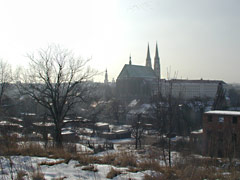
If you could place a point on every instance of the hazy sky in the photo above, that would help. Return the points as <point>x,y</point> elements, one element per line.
<point>197,39</point>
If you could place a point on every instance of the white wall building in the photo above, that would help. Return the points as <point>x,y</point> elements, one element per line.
<point>187,89</point>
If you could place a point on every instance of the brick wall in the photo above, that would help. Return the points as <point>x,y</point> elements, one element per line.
<point>221,134</point>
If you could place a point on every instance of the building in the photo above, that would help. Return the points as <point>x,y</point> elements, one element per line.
<point>142,82</point>
<point>221,133</point>
<point>138,82</point>
<point>106,78</point>
<point>189,89</point>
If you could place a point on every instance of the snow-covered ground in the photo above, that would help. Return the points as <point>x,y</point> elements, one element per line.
<point>71,170</point>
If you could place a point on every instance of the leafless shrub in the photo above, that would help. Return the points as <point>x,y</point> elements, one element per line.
<point>90,168</point>
<point>149,164</point>
<point>113,173</point>
<point>86,160</point>
<point>122,159</point>
<point>133,169</point>
<point>52,163</point>
<point>38,175</point>
<point>21,175</point>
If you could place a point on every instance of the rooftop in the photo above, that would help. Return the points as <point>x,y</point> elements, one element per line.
<point>196,81</point>
<point>133,71</point>
<point>231,113</point>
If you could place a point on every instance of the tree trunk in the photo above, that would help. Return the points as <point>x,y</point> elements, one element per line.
<point>169,152</point>
<point>58,137</point>
<point>136,142</point>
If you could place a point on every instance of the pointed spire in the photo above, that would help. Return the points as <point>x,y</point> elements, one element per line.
<point>156,53</point>
<point>130,60</point>
<point>148,60</point>
<point>106,77</point>
<point>157,69</point>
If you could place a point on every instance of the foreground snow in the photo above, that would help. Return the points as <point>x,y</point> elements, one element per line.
<point>71,170</point>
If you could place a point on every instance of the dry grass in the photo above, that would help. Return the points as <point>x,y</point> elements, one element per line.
<point>38,175</point>
<point>52,163</point>
<point>32,149</point>
<point>86,159</point>
<point>59,178</point>
<point>90,168</point>
<point>122,159</point>
<point>108,158</point>
<point>21,175</point>
<point>153,177</point>
<point>150,164</point>
<point>190,169</point>
<point>113,173</point>
<point>186,167</point>
<point>133,169</point>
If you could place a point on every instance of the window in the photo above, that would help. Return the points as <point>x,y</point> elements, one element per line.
<point>220,136</point>
<point>209,133</point>
<point>234,120</point>
<point>210,118</point>
<point>234,137</point>
<point>220,119</point>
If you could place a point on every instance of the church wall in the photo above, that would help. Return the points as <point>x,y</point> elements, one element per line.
<point>134,88</point>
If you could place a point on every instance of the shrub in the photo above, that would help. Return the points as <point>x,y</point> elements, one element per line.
<point>90,168</point>
<point>133,170</point>
<point>86,159</point>
<point>126,159</point>
<point>149,164</point>
<point>122,159</point>
<point>37,175</point>
<point>109,158</point>
<point>153,177</point>
<point>52,163</point>
<point>113,173</point>
<point>20,175</point>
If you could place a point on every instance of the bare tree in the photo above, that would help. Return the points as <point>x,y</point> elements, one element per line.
<point>5,77</point>
<point>166,111</point>
<point>220,102</point>
<point>138,128</point>
<point>57,80</point>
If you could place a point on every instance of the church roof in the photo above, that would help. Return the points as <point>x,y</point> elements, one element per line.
<point>133,71</point>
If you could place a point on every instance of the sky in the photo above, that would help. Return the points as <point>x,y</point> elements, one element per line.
<point>196,39</point>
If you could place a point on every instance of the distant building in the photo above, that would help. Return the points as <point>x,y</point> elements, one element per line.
<point>138,82</point>
<point>188,89</point>
<point>221,133</point>
<point>106,78</point>
<point>141,82</point>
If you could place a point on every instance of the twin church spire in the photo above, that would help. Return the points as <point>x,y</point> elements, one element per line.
<point>148,60</point>
<point>156,61</point>
<point>156,65</point>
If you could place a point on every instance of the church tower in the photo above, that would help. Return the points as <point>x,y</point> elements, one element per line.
<point>148,60</point>
<point>157,63</point>
<point>130,60</point>
<point>106,78</point>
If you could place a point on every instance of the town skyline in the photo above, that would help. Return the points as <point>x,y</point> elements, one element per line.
<point>195,39</point>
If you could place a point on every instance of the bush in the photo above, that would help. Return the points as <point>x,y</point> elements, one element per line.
<point>38,175</point>
<point>52,163</point>
<point>113,173</point>
<point>90,168</point>
<point>20,175</point>
<point>150,164</point>
<point>153,177</point>
<point>122,159</point>
<point>133,170</point>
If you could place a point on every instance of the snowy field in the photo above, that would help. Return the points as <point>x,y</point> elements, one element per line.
<point>69,171</point>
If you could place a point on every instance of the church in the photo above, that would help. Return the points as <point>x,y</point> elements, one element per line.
<point>139,82</point>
